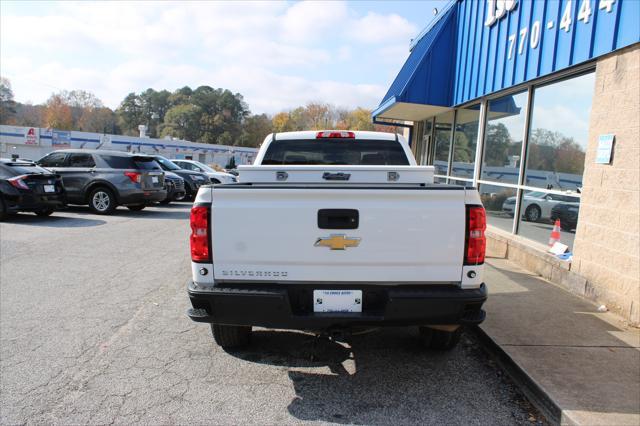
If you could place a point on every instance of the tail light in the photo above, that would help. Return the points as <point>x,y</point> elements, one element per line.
<point>18,182</point>
<point>335,134</point>
<point>476,241</point>
<point>200,249</point>
<point>135,177</point>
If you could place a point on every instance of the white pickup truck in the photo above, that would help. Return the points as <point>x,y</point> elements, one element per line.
<point>332,230</point>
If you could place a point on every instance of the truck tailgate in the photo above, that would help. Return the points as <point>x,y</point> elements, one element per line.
<point>405,233</point>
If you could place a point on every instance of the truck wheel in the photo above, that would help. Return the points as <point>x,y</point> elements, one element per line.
<point>231,336</point>
<point>440,340</point>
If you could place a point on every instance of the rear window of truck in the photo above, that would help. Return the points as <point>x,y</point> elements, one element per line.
<point>336,151</point>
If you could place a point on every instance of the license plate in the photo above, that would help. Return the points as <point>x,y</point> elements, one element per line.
<point>337,300</point>
<point>154,179</point>
<point>49,188</point>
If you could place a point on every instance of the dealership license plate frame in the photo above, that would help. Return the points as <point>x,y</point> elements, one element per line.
<point>337,301</point>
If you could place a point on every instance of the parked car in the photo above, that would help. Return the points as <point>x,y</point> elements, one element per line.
<point>107,179</point>
<point>536,205</point>
<point>214,176</point>
<point>24,186</point>
<point>568,215</point>
<point>192,179</point>
<point>175,187</point>
<point>332,230</point>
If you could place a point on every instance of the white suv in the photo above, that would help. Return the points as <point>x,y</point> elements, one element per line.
<point>215,176</point>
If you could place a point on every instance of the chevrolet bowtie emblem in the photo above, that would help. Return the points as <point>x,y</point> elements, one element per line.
<point>337,242</point>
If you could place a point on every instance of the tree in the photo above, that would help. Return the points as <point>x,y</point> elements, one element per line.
<point>254,130</point>
<point>98,120</point>
<point>359,119</point>
<point>7,104</point>
<point>182,121</point>
<point>553,151</point>
<point>232,163</point>
<point>29,115</point>
<point>130,114</point>
<point>281,122</point>
<point>57,113</point>
<point>497,145</point>
<point>81,99</point>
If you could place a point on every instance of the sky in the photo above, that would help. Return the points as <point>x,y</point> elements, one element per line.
<point>278,55</point>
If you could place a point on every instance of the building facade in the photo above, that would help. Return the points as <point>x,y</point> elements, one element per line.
<point>33,143</point>
<point>537,104</point>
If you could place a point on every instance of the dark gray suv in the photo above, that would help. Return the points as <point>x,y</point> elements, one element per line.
<point>106,179</point>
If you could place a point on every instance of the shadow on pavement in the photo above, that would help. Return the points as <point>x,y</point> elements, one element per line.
<point>52,221</point>
<point>150,212</point>
<point>381,377</point>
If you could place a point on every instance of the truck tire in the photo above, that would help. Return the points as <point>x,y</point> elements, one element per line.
<point>231,336</point>
<point>440,340</point>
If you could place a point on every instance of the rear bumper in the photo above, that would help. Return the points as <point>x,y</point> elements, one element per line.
<point>142,197</point>
<point>34,202</point>
<point>291,306</point>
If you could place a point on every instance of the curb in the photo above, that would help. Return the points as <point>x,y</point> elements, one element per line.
<point>529,387</point>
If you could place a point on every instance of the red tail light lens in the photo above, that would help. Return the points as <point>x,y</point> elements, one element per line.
<point>200,250</point>
<point>135,177</point>
<point>476,241</point>
<point>18,182</point>
<point>335,134</point>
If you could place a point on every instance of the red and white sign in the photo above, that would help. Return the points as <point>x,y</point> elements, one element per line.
<point>31,136</point>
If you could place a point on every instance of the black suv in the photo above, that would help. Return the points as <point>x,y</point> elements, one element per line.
<point>26,187</point>
<point>192,179</point>
<point>106,179</point>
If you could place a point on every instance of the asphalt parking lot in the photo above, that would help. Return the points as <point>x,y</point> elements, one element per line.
<point>93,330</point>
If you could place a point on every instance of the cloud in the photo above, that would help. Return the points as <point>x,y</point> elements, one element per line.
<point>376,28</point>
<point>278,55</point>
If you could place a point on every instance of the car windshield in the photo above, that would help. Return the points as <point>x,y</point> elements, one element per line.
<point>337,151</point>
<point>166,164</point>
<point>205,167</point>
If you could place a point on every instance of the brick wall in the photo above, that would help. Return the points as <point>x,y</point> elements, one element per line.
<point>607,244</point>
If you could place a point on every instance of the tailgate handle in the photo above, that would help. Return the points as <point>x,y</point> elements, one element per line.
<point>336,176</point>
<point>338,219</point>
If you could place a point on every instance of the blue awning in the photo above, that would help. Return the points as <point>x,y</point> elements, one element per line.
<point>424,85</point>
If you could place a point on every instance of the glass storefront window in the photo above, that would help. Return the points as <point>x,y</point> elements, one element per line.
<point>500,203</point>
<point>426,141</point>
<point>465,183</point>
<point>556,149</point>
<point>442,134</point>
<point>539,211</point>
<point>559,133</point>
<point>465,140</point>
<point>503,138</point>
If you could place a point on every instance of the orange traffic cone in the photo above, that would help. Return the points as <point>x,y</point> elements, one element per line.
<point>555,233</point>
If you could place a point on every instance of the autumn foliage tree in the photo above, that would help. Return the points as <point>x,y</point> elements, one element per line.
<point>57,113</point>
